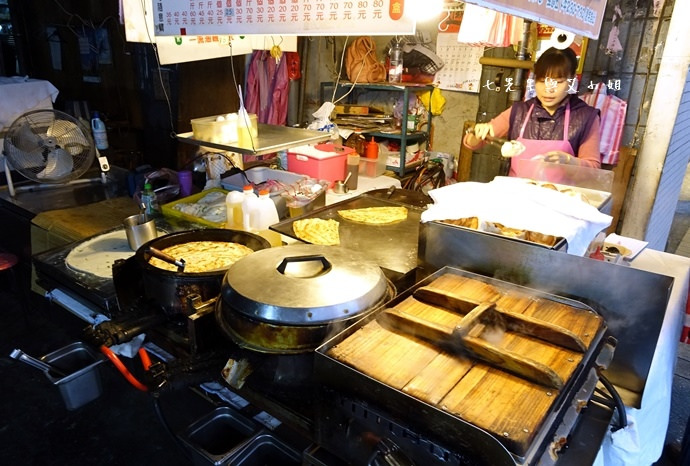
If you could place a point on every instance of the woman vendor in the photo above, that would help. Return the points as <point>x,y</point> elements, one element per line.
<point>555,126</point>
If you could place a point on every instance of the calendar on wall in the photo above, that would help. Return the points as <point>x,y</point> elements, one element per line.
<point>461,70</point>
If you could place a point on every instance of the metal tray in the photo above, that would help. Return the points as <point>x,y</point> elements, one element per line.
<point>392,247</point>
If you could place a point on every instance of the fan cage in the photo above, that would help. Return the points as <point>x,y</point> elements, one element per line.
<point>33,135</point>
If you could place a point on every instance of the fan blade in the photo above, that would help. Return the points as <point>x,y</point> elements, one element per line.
<point>24,159</point>
<point>67,133</point>
<point>25,139</point>
<point>58,165</point>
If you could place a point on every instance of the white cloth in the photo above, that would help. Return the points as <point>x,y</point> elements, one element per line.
<point>20,94</point>
<point>642,442</point>
<point>517,204</point>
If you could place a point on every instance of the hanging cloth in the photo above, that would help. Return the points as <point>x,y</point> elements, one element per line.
<point>613,110</point>
<point>488,28</point>
<point>267,88</point>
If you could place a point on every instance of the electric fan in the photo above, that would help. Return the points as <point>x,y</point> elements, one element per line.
<point>49,147</point>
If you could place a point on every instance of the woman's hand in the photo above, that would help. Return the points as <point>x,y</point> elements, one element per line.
<point>558,156</point>
<point>474,138</point>
<point>482,130</point>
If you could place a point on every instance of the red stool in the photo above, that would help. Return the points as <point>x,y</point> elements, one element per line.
<point>8,261</point>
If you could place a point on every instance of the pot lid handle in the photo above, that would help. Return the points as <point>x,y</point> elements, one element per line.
<point>310,266</point>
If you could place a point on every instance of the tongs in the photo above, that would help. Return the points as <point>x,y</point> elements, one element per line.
<point>180,264</point>
<point>457,339</point>
<point>509,148</point>
<point>20,355</point>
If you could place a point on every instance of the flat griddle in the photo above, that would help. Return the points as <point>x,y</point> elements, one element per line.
<point>53,272</point>
<point>393,247</point>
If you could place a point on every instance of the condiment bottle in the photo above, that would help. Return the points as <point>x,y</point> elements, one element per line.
<point>233,209</point>
<point>372,149</point>
<point>148,198</point>
<point>395,66</point>
<point>249,200</point>
<point>100,135</point>
<point>353,171</point>
<point>266,215</point>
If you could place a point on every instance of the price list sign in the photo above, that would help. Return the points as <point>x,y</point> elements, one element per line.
<point>294,17</point>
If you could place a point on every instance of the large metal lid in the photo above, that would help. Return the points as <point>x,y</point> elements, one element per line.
<point>303,284</point>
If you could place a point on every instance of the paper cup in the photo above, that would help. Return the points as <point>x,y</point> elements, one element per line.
<point>139,230</point>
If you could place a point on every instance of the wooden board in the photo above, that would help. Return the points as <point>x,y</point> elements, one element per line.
<point>464,170</point>
<point>77,223</point>
<point>511,408</point>
<point>621,178</point>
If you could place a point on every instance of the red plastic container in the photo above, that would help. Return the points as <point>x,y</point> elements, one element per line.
<point>322,161</point>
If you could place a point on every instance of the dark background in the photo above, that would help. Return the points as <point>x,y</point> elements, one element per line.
<point>142,104</point>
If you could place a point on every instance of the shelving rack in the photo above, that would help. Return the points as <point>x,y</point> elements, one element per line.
<point>404,136</point>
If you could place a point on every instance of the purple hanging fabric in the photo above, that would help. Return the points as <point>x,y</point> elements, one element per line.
<point>267,88</point>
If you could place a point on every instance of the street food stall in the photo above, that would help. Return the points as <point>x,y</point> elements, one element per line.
<point>470,324</point>
<point>322,300</point>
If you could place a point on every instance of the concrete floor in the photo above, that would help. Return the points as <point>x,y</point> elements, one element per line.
<point>679,243</point>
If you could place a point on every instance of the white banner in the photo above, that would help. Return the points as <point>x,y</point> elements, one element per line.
<point>582,17</point>
<point>297,17</point>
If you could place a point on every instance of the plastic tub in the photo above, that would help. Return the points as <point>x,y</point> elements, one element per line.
<point>372,168</point>
<point>82,383</point>
<point>215,437</point>
<point>322,161</point>
<point>221,132</point>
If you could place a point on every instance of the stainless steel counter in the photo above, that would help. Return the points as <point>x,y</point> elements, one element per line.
<point>33,198</point>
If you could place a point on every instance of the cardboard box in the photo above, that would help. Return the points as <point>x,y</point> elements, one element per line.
<point>351,109</point>
<point>322,161</point>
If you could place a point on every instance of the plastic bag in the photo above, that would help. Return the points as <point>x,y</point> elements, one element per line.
<point>165,184</point>
<point>322,120</point>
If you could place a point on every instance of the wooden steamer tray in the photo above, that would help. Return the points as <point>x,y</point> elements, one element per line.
<point>448,389</point>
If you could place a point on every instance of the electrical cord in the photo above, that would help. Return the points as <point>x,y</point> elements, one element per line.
<point>166,425</point>
<point>429,175</point>
<point>620,406</point>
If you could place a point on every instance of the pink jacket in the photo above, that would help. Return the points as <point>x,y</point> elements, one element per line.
<point>267,88</point>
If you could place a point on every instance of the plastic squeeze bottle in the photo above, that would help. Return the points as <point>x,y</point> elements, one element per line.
<point>371,149</point>
<point>148,198</point>
<point>100,136</point>
<point>267,215</point>
<point>233,209</point>
<point>249,201</point>
<point>395,67</point>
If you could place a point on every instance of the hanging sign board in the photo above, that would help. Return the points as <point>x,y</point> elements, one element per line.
<point>583,17</point>
<point>296,17</point>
